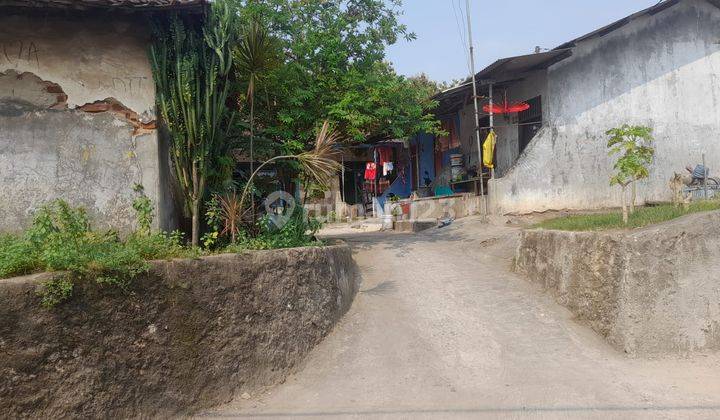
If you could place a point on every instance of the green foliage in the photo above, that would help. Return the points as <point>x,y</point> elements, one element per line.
<point>61,239</point>
<point>642,217</point>
<point>298,231</point>
<point>633,145</point>
<point>214,222</point>
<point>377,103</point>
<point>56,291</point>
<point>334,70</point>
<point>143,210</point>
<point>160,246</point>
<point>17,256</point>
<point>256,55</point>
<point>315,191</point>
<point>58,220</point>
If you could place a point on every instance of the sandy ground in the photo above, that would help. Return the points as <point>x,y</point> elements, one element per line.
<point>443,329</point>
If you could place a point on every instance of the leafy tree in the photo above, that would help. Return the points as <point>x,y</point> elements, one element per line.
<point>633,144</point>
<point>379,104</point>
<point>333,70</point>
<point>191,67</point>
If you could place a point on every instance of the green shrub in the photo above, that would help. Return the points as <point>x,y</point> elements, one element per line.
<point>61,239</point>
<point>18,256</point>
<point>56,291</point>
<point>298,231</point>
<point>143,209</point>
<point>56,220</point>
<point>213,220</point>
<point>160,246</point>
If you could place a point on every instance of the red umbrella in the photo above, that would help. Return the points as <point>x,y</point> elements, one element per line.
<point>507,108</point>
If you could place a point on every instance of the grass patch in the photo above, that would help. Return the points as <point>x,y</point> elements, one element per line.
<point>643,216</point>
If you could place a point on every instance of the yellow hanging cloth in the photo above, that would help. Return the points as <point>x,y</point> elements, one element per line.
<point>489,150</point>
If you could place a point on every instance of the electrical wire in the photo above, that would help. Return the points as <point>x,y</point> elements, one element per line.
<point>466,41</point>
<point>462,33</point>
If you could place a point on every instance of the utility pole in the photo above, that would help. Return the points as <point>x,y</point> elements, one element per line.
<point>477,110</point>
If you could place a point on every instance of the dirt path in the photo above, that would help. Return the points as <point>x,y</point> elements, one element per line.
<point>443,329</point>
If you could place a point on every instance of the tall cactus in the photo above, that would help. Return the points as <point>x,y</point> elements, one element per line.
<point>191,67</point>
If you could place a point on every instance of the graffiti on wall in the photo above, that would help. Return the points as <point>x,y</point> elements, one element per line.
<point>14,53</point>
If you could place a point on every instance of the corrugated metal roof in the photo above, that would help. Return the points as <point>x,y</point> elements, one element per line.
<point>108,4</point>
<point>512,67</point>
<point>653,10</point>
<point>504,70</point>
<point>507,69</point>
<point>650,11</point>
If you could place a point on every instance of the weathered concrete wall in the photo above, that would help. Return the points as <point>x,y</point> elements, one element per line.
<point>648,292</point>
<point>659,71</point>
<point>457,207</point>
<point>192,334</point>
<point>77,117</point>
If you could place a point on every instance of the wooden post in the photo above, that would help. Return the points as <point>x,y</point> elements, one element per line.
<point>342,190</point>
<point>477,111</point>
<point>376,202</point>
<point>492,128</point>
<point>705,177</point>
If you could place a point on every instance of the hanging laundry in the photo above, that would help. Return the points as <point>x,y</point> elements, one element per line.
<point>370,171</point>
<point>489,150</point>
<point>387,168</point>
<point>384,155</point>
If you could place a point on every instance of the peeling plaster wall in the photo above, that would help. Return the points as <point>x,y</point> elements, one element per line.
<point>77,118</point>
<point>660,71</point>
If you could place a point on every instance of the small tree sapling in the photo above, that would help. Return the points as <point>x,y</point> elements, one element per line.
<point>633,146</point>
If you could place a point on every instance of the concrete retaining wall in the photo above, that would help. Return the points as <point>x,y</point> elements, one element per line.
<point>457,206</point>
<point>650,291</point>
<point>190,335</point>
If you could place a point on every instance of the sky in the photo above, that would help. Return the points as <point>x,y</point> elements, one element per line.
<point>501,28</point>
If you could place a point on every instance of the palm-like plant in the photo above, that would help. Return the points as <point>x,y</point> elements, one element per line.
<point>318,164</point>
<point>230,214</point>
<point>255,56</point>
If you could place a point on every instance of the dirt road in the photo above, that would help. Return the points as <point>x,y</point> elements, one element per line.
<point>443,329</point>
